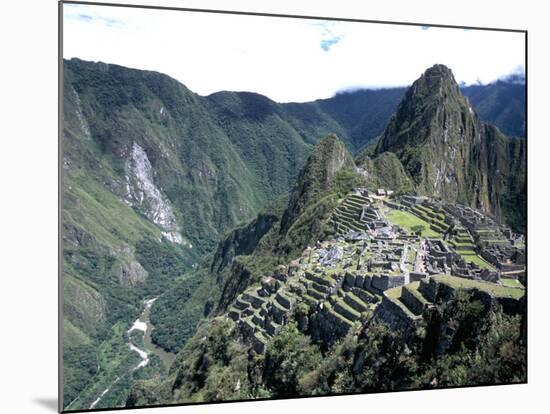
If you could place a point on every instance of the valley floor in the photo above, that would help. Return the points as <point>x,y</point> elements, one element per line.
<point>123,358</point>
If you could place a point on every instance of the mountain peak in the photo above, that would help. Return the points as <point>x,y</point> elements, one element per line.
<point>443,145</point>
<point>438,70</point>
<point>425,109</point>
<point>437,80</point>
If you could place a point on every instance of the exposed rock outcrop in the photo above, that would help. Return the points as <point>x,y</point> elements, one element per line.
<point>142,192</point>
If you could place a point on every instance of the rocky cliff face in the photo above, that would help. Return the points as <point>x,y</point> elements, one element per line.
<point>242,241</point>
<point>448,151</point>
<point>142,192</point>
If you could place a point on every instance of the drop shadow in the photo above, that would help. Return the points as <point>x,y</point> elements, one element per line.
<point>49,403</point>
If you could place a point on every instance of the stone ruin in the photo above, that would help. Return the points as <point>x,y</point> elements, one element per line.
<point>509,260</point>
<point>331,256</point>
<point>339,285</point>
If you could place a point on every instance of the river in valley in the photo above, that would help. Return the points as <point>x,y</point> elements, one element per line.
<point>144,325</point>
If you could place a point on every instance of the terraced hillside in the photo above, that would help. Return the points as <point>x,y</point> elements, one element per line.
<point>335,294</point>
<point>369,282</point>
<point>464,245</point>
<point>409,302</point>
<point>364,271</point>
<point>161,190</point>
<point>355,214</point>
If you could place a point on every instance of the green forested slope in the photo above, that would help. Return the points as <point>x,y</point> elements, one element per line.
<point>462,340</point>
<point>451,154</point>
<point>167,193</point>
<point>501,103</point>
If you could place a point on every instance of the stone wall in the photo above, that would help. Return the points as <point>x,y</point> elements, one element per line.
<point>413,303</point>
<point>433,291</point>
<point>511,267</point>
<point>385,282</point>
<point>389,306</point>
<point>429,288</point>
<point>416,276</point>
<point>326,328</point>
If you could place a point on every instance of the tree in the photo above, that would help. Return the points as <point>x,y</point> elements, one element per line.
<point>418,229</point>
<point>290,356</point>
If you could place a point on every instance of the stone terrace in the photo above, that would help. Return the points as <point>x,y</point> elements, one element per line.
<point>425,209</point>
<point>340,280</point>
<point>405,305</point>
<point>371,266</point>
<point>261,311</point>
<point>356,214</point>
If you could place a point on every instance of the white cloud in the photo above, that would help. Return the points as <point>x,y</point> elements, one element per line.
<point>283,58</point>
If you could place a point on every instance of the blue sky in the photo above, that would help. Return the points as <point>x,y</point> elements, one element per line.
<point>285,59</point>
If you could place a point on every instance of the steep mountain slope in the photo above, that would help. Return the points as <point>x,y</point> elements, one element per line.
<point>385,171</point>
<point>501,103</point>
<point>330,156</point>
<point>117,227</point>
<point>149,124</point>
<point>326,333</point>
<point>279,232</point>
<point>450,153</point>
<point>155,176</point>
<point>273,144</point>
